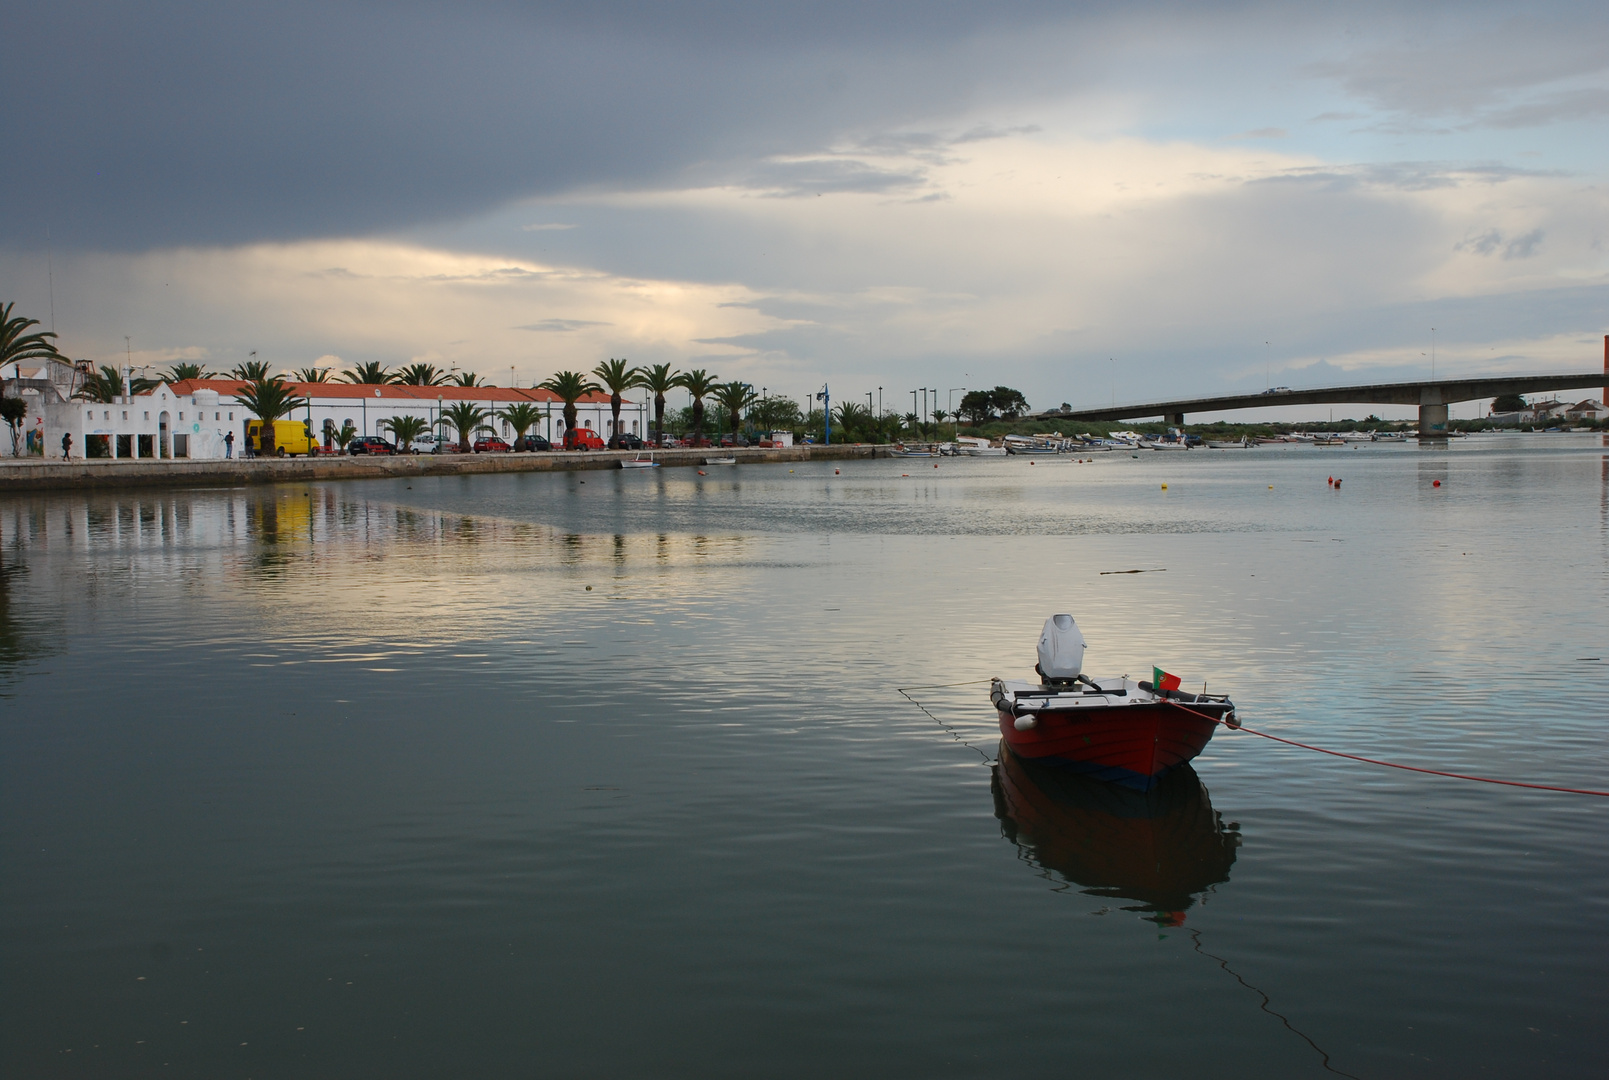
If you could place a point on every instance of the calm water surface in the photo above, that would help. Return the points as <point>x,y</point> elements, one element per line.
<point>608,774</point>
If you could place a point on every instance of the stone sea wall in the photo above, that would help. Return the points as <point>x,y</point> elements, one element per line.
<point>34,474</point>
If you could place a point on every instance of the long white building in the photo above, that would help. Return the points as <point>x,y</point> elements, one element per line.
<point>192,418</point>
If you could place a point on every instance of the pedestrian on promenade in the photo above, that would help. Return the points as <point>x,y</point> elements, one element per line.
<point>229,445</point>
<point>67,446</point>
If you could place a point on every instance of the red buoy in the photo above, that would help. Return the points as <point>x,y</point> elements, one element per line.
<point>1435,483</point>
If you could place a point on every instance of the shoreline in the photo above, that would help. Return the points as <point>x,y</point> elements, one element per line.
<point>27,475</point>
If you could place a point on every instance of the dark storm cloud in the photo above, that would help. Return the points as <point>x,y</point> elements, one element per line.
<point>186,122</point>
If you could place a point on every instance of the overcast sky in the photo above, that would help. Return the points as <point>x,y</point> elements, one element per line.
<point>1081,201</point>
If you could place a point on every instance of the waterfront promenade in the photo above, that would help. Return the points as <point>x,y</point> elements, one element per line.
<point>36,474</point>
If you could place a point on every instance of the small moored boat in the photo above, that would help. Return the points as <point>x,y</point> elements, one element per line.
<point>720,461</point>
<point>1113,728</point>
<point>641,461</point>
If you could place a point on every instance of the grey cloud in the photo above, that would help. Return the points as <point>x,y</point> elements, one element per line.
<point>1523,247</point>
<point>1496,69</point>
<point>1263,133</point>
<point>197,122</point>
<point>1584,104</point>
<point>1491,242</point>
<point>561,326</point>
<point>822,176</point>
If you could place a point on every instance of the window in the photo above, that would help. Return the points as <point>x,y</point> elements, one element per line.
<point>148,415</point>
<point>231,416</point>
<point>181,416</point>
<point>125,414</point>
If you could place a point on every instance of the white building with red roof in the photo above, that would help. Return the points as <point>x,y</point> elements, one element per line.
<point>193,418</point>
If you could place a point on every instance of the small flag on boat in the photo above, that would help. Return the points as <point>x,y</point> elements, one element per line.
<point>1162,680</point>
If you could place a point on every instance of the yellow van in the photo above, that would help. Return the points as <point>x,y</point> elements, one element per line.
<point>290,437</point>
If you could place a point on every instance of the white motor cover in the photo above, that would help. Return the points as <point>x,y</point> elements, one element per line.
<point>1061,649</point>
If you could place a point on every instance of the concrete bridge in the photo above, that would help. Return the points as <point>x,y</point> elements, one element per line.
<point>1432,397</point>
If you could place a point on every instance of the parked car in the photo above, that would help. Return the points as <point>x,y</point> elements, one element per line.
<point>670,441</point>
<point>432,444</point>
<point>491,444</point>
<point>370,444</point>
<point>730,439</point>
<point>582,439</point>
<point>530,443</point>
<point>627,441</point>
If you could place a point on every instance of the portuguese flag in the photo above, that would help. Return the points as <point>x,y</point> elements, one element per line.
<point>1162,680</point>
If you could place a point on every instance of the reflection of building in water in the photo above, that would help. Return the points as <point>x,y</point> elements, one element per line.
<point>1162,847</point>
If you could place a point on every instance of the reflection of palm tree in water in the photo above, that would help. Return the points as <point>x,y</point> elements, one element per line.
<point>1163,847</point>
<point>21,639</point>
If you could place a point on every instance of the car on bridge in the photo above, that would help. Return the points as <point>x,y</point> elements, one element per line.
<point>1278,390</point>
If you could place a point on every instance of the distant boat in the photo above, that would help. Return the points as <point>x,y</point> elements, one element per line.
<point>972,446</point>
<point>901,451</point>
<point>641,461</point>
<point>1230,444</point>
<point>720,461</point>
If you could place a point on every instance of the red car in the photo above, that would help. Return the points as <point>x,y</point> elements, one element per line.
<point>491,444</point>
<point>582,439</point>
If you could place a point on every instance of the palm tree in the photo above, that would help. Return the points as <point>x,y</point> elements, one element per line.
<point>14,410</point>
<point>405,429</point>
<point>617,376</point>
<point>658,380</point>
<point>700,384</point>
<point>420,375</point>
<point>571,387</point>
<point>251,370</point>
<point>852,418</point>
<point>185,372</point>
<point>313,374</point>
<point>16,344</point>
<point>468,418</point>
<point>734,397</point>
<point>464,378</point>
<point>268,400</point>
<point>107,385</point>
<point>345,434</point>
<point>373,373</point>
<point>522,418</point>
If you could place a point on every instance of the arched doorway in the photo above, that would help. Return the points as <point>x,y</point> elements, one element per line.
<point>164,449</point>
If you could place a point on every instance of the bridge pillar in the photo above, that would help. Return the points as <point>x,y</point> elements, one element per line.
<point>1175,418</point>
<point>1432,421</point>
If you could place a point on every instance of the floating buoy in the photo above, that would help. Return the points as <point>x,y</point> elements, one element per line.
<point>701,472</point>
<point>1164,487</point>
<point>1338,483</point>
<point>935,465</point>
<point>1270,487</point>
<point>589,588</point>
<point>1330,481</point>
<point>835,472</point>
<point>1435,483</point>
<point>905,475</point>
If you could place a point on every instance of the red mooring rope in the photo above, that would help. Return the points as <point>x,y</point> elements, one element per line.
<point>1392,764</point>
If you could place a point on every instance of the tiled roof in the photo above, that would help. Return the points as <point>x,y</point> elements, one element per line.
<point>392,391</point>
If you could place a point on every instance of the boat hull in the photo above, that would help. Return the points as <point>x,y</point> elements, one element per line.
<point>1131,745</point>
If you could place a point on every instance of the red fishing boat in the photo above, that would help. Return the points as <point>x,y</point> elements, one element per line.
<point>1118,729</point>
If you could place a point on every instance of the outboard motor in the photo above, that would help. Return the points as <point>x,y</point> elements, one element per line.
<point>1061,650</point>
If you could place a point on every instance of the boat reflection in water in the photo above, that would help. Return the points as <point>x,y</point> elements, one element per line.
<point>1162,847</point>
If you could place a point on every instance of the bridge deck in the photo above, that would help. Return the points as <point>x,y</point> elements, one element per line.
<point>1424,392</point>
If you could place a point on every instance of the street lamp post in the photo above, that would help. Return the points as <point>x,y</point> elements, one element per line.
<point>825,397</point>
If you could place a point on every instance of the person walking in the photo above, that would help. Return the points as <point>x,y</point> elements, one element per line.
<point>229,445</point>
<point>67,446</point>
